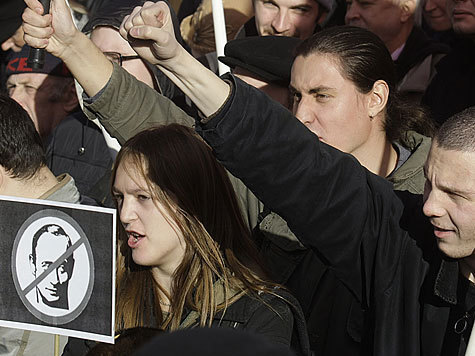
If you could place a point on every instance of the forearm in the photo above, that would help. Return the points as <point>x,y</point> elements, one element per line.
<point>87,64</point>
<point>56,33</point>
<point>127,106</point>
<point>207,91</point>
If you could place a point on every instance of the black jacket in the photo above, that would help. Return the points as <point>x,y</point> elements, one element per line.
<point>350,217</point>
<point>453,87</point>
<point>418,46</point>
<point>278,318</point>
<point>77,146</point>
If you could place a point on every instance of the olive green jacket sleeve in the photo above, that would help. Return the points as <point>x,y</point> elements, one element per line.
<point>126,106</point>
<point>410,175</point>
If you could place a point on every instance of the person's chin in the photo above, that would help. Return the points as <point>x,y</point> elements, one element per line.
<point>451,249</point>
<point>51,300</point>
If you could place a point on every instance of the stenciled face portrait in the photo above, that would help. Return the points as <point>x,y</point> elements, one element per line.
<point>329,104</point>
<point>153,235</point>
<point>49,244</point>
<point>435,15</point>
<point>291,18</point>
<point>462,13</point>
<point>449,200</point>
<point>108,39</point>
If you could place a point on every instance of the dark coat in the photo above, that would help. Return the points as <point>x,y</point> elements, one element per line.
<point>453,87</point>
<point>348,216</point>
<point>415,66</point>
<point>77,146</point>
<point>418,46</point>
<point>278,319</point>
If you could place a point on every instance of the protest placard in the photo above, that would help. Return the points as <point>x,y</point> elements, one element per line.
<point>57,270</point>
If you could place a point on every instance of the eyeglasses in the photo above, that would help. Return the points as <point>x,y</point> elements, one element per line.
<point>118,58</point>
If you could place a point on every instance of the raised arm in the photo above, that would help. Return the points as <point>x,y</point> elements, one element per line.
<point>149,30</point>
<point>56,33</point>
<point>346,214</point>
<point>125,104</point>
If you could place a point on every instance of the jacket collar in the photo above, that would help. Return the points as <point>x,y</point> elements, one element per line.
<point>65,191</point>
<point>445,285</point>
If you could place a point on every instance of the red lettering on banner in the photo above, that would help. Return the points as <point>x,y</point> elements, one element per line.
<point>11,63</point>
<point>23,65</point>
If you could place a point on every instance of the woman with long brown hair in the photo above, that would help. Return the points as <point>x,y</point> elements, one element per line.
<point>187,258</point>
<point>185,255</point>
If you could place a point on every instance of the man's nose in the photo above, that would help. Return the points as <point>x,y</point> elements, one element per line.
<point>18,95</point>
<point>429,5</point>
<point>281,22</point>
<point>352,13</point>
<point>53,277</point>
<point>433,206</point>
<point>304,113</point>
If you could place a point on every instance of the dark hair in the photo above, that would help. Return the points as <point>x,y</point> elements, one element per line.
<point>53,229</point>
<point>458,132</point>
<point>21,149</point>
<point>184,176</point>
<point>364,59</point>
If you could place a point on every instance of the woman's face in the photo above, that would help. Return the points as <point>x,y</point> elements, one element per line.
<point>435,14</point>
<point>153,235</point>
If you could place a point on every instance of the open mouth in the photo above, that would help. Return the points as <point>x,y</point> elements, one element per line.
<point>134,239</point>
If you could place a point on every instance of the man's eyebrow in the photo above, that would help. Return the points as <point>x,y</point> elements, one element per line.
<point>451,189</point>
<point>292,89</point>
<point>300,6</point>
<point>320,89</point>
<point>454,190</point>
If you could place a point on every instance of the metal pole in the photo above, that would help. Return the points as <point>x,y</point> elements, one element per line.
<point>56,345</point>
<point>219,24</point>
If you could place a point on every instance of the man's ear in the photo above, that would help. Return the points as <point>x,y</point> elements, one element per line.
<point>408,8</point>
<point>378,98</point>
<point>70,98</point>
<point>70,267</point>
<point>32,265</point>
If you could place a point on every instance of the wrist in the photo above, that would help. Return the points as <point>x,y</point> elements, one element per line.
<point>175,63</point>
<point>74,48</point>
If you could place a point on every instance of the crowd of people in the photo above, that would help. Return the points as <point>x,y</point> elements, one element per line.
<point>317,200</point>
